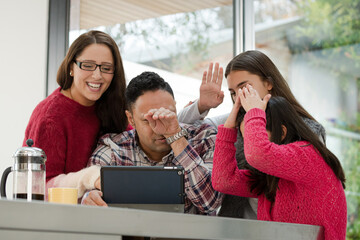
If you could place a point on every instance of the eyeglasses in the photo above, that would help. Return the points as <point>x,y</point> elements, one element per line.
<point>88,66</point>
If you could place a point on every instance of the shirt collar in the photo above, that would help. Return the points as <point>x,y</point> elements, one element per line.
<point>164,161</point>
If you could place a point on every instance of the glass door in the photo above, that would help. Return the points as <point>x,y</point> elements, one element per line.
<point>316,45</point>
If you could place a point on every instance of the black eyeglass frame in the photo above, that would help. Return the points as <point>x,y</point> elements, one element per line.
<point>79,64</point>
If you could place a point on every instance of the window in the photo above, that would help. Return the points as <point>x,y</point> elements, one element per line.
<point>178,41</point>
<point>316,45</point>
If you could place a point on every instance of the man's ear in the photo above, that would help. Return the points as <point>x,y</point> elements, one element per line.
<point>284,132</point>
<point>130,118</point>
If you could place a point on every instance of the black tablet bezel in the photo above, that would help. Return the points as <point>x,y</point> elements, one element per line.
<point>138,171</point>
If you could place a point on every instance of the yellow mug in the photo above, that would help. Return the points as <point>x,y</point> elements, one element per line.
<point>63,195</point>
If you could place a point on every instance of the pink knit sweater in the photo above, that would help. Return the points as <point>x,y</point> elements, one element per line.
<point>308,191</point>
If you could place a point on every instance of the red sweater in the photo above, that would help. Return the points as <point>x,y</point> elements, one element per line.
<point>308,190</point>
<point>65,130</point>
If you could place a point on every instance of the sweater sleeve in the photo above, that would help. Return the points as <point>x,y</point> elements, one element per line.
<point>298,161</point>
<point>83,180</point>
<point>226,176</point>
<point>191,115</point>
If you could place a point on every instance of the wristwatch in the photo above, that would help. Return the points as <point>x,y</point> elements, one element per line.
<point>177,136</point>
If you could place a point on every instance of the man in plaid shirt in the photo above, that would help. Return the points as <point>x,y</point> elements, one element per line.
<point>159,140</point>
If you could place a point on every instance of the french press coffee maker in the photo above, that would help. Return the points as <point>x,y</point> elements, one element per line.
<point>28,173</point>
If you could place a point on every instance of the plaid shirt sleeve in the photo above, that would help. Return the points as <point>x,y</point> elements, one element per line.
<point>197,161</point>
<point>113,149</point>
<point>103,153</point>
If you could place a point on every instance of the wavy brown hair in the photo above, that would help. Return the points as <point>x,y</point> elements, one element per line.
<point>280,112</point>
<point>110,108</point>
<point>256,62</point>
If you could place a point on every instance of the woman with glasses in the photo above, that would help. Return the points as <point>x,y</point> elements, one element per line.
<point>89,102</point>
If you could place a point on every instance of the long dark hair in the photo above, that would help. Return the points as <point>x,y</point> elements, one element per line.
<point>280,112</point>
<point>258,63</point>
<point>110,108</point>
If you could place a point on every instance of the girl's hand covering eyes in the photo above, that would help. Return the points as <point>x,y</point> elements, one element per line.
<point>231,120</point>
<point>250,98</point>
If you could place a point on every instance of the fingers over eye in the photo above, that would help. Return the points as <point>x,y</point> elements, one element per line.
<point>245,91</point>
<point>162,113</point>
<point>151,112</point>
<point>168,114</point>
<point>240,93</point>
<point>251,89</point>
<point>155,112</point>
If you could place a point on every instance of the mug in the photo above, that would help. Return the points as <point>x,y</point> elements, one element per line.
<point>63,195</point>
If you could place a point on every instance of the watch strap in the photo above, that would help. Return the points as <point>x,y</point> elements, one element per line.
<point>177,136</point>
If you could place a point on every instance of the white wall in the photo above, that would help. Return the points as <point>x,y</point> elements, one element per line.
<point>23,49</point>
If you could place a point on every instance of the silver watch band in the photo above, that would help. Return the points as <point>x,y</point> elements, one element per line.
<point>177,136</point>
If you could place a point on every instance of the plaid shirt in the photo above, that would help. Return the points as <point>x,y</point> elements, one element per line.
<point>196,159</point>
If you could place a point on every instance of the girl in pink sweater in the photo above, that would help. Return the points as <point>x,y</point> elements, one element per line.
<point>294,176</point>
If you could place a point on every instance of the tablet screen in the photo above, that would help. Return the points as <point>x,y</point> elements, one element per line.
<point>142,185</point>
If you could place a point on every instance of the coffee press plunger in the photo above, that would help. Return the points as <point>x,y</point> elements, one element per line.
<point>28,173</point>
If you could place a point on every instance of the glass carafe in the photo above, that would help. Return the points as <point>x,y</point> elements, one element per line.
<point>28,174</point>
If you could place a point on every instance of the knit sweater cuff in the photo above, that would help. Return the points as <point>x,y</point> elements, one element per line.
<point>82,180</point>
<point>226,134</point>
<point>254,113</point>
<point>88,179</point>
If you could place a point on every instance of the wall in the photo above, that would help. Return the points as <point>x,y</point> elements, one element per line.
<point>23,52</point>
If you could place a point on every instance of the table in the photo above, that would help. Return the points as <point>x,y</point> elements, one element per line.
<point>43,220</point>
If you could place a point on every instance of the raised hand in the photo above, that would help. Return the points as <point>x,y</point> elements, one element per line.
<point>250,98</point>
<point>163,121</point>
<point>211,95</point>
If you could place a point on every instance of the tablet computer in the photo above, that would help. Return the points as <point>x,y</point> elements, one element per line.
<point>140,187</point>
